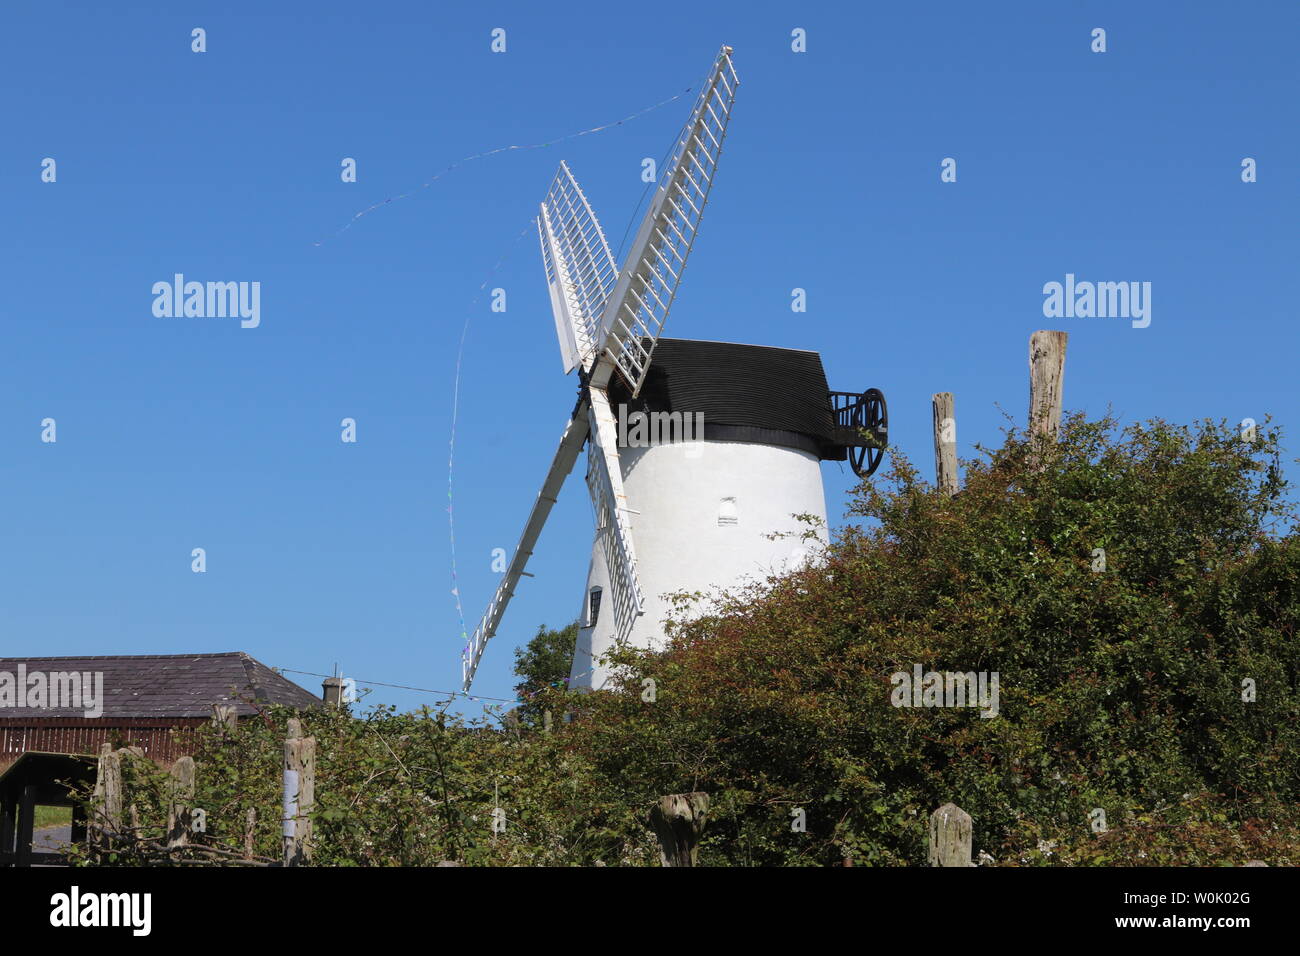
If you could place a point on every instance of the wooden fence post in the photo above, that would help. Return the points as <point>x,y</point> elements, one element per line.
<point>945,443</point>
<point>1046,382</point>
<point>250,831</point>
<point>180,809</point>
<point>299,793</point>
<point>106,803</point>
<point>950,836</point>
<point>678,820</point>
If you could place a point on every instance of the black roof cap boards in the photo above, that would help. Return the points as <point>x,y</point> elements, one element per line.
<point>745,393</point>
<point>165,685</point>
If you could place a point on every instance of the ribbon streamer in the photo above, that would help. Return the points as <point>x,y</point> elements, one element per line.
<point>501,149</point>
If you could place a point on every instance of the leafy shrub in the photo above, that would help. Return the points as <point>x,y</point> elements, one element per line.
<point>1120,689</point>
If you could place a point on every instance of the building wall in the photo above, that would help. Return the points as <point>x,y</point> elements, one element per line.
<point>675,492</point>
<point>163,740</point>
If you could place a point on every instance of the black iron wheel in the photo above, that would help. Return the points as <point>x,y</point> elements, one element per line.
<point>871,420</point>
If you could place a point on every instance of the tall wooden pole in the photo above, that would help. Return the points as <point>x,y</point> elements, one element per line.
<point>945,443</point>
<point>1046,382</point>
<point>299,793</point>
<point>107,801</point>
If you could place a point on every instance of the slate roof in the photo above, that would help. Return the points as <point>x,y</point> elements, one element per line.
<point>165,685</point>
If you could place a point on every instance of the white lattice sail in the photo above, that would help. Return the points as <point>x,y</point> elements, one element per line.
<point>580,269</point>
<point>613,520</point>
<point>635,313</point>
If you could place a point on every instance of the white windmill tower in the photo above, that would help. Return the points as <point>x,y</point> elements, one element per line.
<point>701,512</point>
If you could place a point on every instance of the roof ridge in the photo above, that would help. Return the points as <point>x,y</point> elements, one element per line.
<point>744,345</point>
<point>250,676</point>
<point>122,657</point>
<point>164,685</point>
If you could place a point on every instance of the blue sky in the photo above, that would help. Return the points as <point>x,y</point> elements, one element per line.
<point>176,433</point>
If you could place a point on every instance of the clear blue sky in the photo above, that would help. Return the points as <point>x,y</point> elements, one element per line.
<point>181,433</point>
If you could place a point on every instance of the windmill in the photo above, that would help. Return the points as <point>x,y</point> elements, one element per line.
<point>768,418</point>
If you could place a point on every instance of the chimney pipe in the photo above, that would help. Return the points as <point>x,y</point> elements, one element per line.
<point>333,692</point>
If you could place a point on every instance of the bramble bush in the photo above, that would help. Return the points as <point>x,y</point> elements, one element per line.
<point>1125,585</point>
<point>1120,689</point>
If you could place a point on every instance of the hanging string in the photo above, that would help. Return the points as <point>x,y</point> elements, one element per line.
<point>455,414</point>
<point>451,471</point>
<point>451,456</point>
<point>502,149</point>
<point>460,352</point>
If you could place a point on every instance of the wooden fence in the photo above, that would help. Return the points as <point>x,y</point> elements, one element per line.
<point>115,825</point>
<point>1046,395</point>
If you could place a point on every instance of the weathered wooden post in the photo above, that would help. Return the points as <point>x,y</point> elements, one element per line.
<point>180,810</point>
<point>299,793</point>
<point>945,443</point>
<point>1046,382</point>
<point>678,820</point>
<point>950,836</point>
<point>106,803</point>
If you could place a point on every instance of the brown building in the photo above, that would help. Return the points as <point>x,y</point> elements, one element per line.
<point>56,711</point>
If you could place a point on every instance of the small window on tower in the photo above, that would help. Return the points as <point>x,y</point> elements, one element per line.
<point>728,516</point>
<point>593,607</point>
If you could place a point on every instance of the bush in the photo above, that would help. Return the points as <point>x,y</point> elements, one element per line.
<point>1120,689</point>
<point>1127,587</point>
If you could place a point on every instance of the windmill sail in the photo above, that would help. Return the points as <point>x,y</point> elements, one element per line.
<point>613,520</point>
<point>580,269</point>
<point>575,433</point>
<point>607,320</point>
<point>638,306</point>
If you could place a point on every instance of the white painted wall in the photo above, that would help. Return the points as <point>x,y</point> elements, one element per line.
<point>677,489</point>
